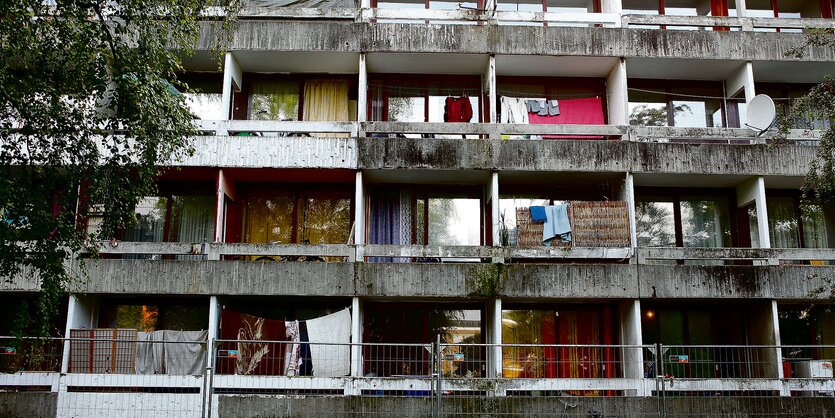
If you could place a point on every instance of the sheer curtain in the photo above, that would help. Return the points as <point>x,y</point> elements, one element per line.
<point>327,101</point>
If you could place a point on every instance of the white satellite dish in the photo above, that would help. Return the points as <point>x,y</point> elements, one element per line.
<point>760,113</point>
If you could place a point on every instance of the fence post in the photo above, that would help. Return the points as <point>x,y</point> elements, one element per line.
<point>440,359</point>
<point>659,373</point>
<point>208,380</point>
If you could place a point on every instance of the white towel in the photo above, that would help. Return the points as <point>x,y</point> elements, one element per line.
<point>331,360</point>
<point>182,358</point>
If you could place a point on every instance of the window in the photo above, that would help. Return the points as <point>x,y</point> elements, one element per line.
<point>413,98</point>
<point>297,217</point>
<point>206,102</point>
<point>679,103</point>
<point>792,225</point>
<point>683,221</point>
<point>296,97</point>
<point>531,334</point>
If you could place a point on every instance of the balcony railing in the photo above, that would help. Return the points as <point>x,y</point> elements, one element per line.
<point>351,253</point>
<point>299,130</point>
<point>244,366</point>
<point>370,15</point>
<point>755,256</point>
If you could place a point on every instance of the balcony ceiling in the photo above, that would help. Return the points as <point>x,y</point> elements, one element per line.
<point>551,178</point>
<point>551,66</point>
<point>326,62</point>
<point>426,63</point>
<point>791,71</point>
<point>480,177</point>
<point>682,69</point>
<point>689,180</point>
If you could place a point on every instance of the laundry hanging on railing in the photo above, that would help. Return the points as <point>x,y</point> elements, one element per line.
<point>572,112</point>
<point>514,110</point>
<point>330,360</point>
<point>556,225</point>
<point>458,109</point>
<point>316,347</point>
<point>171,352</point>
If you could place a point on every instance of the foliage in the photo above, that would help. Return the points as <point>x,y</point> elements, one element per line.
<point>817,110</point>
<point>87,117</point>
<point>644,115</point>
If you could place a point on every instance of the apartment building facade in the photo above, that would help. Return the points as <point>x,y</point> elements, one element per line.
<point>360,229</point>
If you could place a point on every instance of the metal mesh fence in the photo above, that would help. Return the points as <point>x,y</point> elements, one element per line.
<point>120,375</point>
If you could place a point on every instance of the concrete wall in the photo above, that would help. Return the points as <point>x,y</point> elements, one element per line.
<point>314,407</point>
<point>28,404</point>
<point>599,156</point>
<point>514,40</point>
<point>513,281</point>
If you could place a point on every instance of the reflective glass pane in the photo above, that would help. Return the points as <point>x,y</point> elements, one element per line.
<point>655,224</point>
<point>705,222</point>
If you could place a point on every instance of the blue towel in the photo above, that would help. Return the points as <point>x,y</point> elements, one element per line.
<point>538,214</point>
<point>556,224</point>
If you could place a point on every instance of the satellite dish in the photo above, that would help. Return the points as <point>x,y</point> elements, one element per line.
<point>760,113</point>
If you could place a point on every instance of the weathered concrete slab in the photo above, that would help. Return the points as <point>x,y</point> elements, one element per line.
<point>28,404</point>
<point>272,152</point>
<point>575,281</point>
<point>732,282</point>
<point>515,40</point>
<point>216,278</point>
<point>426,279</point>
<point>595,156</point>
<point>314,407</point>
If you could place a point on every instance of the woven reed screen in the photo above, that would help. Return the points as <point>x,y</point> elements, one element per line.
<point>593,224</point>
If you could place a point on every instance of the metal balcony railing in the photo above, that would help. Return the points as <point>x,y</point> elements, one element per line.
<point>304,130</point>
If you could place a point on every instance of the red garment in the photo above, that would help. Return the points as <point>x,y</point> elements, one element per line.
<point>263,359</point>
<point>458,109</point>
<point>573,112</point>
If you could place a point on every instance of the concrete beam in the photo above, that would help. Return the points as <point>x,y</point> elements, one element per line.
<point>583,156</point>
<point>732,282</point>
<point>354,37</point>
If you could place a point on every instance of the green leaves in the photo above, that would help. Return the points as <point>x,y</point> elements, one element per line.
<point>87,119</point>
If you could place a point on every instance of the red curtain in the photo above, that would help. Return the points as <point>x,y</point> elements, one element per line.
<point>573,112</point>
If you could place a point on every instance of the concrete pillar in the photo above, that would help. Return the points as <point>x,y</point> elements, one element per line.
<point>741,9</point>
<point>829,221</point>
<point>763,330</point>
<point>232,80</point>
<point>494,338</point>
<point>82,313</point>
<point>214,329</point>
<point>741,80</point>
<point>632,335</point>
<point>359,215</point>
<point>362,90</point>
<point>628,196</point>
<point>225,188</point>
<point>495,220</point>
<point>356,337</point>
<point>775,323</point>
<point>612,6</point>
<point>617,94</point>
<point>754,191</point>
<point>490,89</point>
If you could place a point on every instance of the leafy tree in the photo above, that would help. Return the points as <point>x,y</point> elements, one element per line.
<point>87,117</point>
<point>646,115</point>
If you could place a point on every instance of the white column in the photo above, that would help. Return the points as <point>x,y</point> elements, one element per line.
<point>224,188</point>
<point>362,91</point>
<point>631,332</point>
<point>82,313</point>
<point>356,337</point>
<point>232,79</point>
<point>741,80</point>
<point>628,196</point>
<point>359,214</point>
<point>494,321</point>
<point>741,8</point>
<point>490,88</point>
<point>495,219</point>
<point>775,323</point>
<point>617,94</point>
<point>612,6</point>
<point>214,329</point>
<point>754,191</point>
